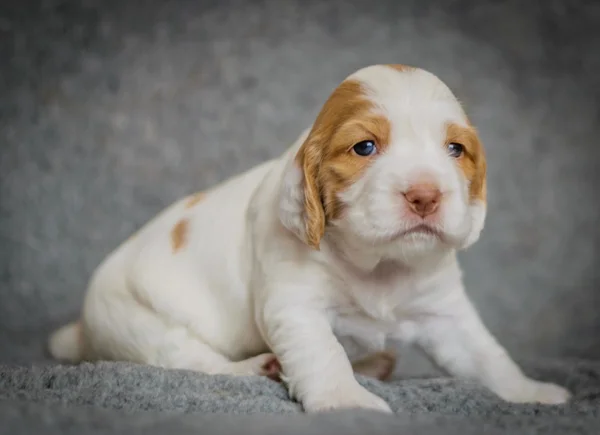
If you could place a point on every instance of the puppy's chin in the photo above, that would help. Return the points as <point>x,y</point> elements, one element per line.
<point>415,246</point>
<point>409,248</point>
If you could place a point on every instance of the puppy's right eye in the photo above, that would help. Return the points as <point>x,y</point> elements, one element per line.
<point>365,148</point>
<point>455,149</point>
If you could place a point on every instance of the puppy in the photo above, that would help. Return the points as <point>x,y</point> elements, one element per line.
<point>353,231</point>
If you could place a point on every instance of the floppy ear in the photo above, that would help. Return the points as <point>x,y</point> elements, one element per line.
<point>309,159</point>
<point>478,188</point>
<point>477,196</point>
<point>300,207</point>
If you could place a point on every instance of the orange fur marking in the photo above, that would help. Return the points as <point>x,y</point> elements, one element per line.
<point>472,162</point>
<point>401,68</point>
<point>194,199</point>
<point>327,159</point>
<point>179,234</point>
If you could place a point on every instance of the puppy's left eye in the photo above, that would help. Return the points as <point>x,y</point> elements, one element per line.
<point>365,148</point>
<point>455,149</point>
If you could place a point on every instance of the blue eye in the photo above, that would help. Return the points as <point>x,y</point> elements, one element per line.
<point>455,149</point>
<point>365,148</point>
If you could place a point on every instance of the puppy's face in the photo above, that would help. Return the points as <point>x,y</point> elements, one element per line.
<point>393,162</point>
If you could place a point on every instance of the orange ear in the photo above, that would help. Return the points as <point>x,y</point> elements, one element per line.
<point>479,184</point>
<point>474,166</point>
<point>309,159</point>
<point>483,183</point>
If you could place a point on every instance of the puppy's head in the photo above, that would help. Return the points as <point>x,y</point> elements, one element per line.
<point>391,161</point>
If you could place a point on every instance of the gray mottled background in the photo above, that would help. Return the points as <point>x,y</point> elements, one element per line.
<point>110,110</point>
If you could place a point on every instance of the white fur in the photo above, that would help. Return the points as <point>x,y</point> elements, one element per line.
<point>245,286</point>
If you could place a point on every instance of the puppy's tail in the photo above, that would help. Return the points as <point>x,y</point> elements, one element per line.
<point>66,343</point>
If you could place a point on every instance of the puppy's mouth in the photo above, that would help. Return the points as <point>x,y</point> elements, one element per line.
<point>421,230</point>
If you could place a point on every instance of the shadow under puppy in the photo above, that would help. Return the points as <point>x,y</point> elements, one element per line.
<point>352,231</point>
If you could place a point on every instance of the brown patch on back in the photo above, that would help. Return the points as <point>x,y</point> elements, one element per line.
<point>401,68</point>
<point>326,157</point>
<point>194,199</point>
<point>179,234</point>
<point>472,162</point>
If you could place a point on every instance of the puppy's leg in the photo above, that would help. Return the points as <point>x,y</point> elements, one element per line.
<point>378,365</point>
<point>315,365</point>
<point>458,342</point>
<point>207,360</point>
<point>124,329</point>
<point>180,349</point>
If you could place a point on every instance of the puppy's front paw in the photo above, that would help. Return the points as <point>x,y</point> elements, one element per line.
<point>538,392</point>
<point>342,398</point>
<point>550,394</point>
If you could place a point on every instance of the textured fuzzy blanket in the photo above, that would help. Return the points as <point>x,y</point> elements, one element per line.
<point>124,398</point>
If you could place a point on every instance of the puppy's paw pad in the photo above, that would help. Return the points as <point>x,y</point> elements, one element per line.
<point>271,367</point>
<point>265,364</point>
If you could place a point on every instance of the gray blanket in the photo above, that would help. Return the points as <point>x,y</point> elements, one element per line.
<point>112,109</point>
<point>120,398</point>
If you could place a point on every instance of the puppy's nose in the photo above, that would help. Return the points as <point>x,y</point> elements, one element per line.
<point>423,199</point>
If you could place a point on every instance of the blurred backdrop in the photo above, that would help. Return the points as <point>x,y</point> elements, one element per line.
<point>111,109</point>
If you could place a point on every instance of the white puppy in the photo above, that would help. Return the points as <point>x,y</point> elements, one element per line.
<point>353,231</point>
